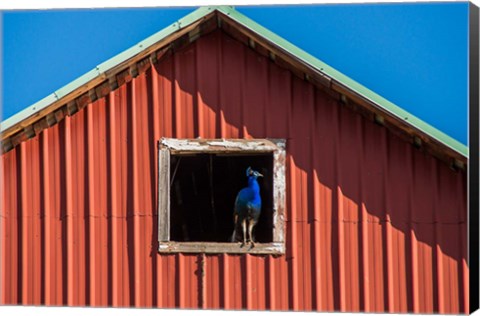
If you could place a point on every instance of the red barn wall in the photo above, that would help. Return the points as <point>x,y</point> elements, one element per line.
<point>372,224</point>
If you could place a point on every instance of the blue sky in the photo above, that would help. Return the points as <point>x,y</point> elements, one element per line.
<point>415,55</point>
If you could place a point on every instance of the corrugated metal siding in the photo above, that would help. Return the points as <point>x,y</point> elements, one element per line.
<point>372,224</point>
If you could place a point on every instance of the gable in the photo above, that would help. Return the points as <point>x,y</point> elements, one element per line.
<point>122,68</point>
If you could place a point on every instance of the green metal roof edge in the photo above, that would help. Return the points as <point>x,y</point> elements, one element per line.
<point>263,32</point>
<point>351,84</point>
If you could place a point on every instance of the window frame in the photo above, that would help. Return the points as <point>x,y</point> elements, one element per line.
<point>177,146</point>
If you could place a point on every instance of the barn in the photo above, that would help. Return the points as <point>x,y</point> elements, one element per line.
<point>118,189</point>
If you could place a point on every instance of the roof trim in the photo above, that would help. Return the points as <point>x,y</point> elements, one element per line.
<point>101,73</point>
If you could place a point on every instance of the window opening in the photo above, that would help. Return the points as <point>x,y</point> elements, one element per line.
<point>203,179</point>
<point>203,192</point>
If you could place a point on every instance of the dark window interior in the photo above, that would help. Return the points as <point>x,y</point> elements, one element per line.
<point>203,191</point>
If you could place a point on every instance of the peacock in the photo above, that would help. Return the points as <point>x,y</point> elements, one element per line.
<point>248,206</point>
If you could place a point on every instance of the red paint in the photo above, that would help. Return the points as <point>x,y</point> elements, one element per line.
<point>372,224</point>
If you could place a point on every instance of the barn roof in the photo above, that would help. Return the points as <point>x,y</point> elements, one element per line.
<point>126,65</point>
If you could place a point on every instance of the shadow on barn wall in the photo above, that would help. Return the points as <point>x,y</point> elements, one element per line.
<point>362,206</point>
<point>376,195</point>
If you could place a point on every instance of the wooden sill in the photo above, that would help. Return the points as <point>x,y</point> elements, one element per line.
<point>275,248</point>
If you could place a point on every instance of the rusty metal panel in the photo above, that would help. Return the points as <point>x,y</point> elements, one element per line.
<point>372,224</point>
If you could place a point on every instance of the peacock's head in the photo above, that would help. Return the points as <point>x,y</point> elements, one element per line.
<point>253,173</point>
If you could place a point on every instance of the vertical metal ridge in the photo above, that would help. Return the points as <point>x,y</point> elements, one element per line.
<point>335,215</point>
<point>262,283</point>
<point>183,289</point>
<point>184,99</point>
<point>243,131</point>
<point>248,282</point>
<point>210,282</point>
<point>439,285</point>
<point>292,215</point>
<point>69,212</point>
<point>225,284</point>
<point>92,269</point>
<point>225,259</point>
<point>200,107</point>
<point>254,88</point>
<point>114,203</point>
<point>367,286</point>
<point>5,250</point>
<point>24,258</point>
<point>365,279</point>
<point>187,125</point>
<point>277,105</point>
<point>162,72</point>
<point>202,276</point>
<point>173,282</point>
<point>271,285</point>
<point>146,197</point>
<point>151,200</point>
<point>35,221</point>
<point>436,253</point>
<point>195,300</point>
<point>221,88</point>
<point>36,238</point>
<point>156,261</point>
<point>135,231</point>
<point>270,281</point>
<point>215,278</point>
<point>229,282</point>
<point>92,209</point>
<point>464,294</point>
<point>10,287</point>
<point>72,201</point>
<point>310,247</point>
<point>318,299</point>
<point>465,273</point>
<point>218,85</point>
<point>342,247</point>
<point>158,281</point>
<point>126,149</point>
<point>103,199</point>
<point>230,93</point>
<point>207,69</point>
<point>464,299</point>
<point>177,103</point>
<point>351,200</point>
<point>100,216</point>
<point>5,230</point>
<point>357,275</point>
<point>413,242</point>
<point>323,184</point>
<point>16,248</point>
<point>408,235</point>
<point>390,278</point>
<point>81,171</point>
<point>179,273</point>
<point>343,290</point>
<point>25,229</point>
<point>46,208</point>
<point>101,207</point>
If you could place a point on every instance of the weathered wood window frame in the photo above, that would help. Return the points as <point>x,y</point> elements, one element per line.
<point>169,146</point>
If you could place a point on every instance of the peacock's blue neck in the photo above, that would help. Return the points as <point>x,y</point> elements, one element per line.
<point>253,185</point>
